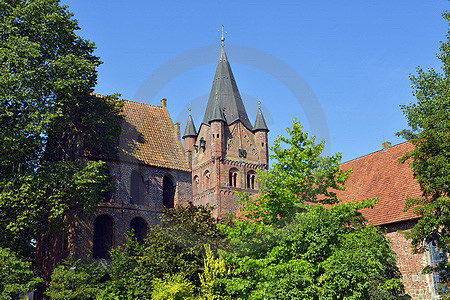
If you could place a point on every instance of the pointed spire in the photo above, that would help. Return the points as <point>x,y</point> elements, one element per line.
<point>225,92</point>
<point>260,123</point>
<point>190,128</point>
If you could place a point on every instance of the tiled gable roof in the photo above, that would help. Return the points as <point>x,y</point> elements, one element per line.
<point>380,175</point>
<point>148,136</point>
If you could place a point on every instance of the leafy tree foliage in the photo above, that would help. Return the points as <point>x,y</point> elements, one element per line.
<point>299,174</point>
<point>16,276</point>
<point>49,120</point>
<point>429,122</point>
<point>76,280</point>
<point>316,255</point>
<point>296,248</point>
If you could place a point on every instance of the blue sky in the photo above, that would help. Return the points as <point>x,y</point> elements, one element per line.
<point>349,61</point>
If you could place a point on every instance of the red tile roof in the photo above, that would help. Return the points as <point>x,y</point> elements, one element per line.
<point>380,175</point>
<point>151,131</point>
<point>148,137</point>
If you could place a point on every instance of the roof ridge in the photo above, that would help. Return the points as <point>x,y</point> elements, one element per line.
<point>373,152</point>
<point>103,96</point>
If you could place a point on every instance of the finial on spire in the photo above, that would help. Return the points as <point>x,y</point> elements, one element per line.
<point>223,37</point>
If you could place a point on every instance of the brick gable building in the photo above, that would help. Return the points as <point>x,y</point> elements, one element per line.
<point>149,172</point>
<point>380,175</point>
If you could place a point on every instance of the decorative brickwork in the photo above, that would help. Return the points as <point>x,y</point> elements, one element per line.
<point>227,151</point>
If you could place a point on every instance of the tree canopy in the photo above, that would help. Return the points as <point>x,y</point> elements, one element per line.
<point>50,122</point>
<point>429,131</point>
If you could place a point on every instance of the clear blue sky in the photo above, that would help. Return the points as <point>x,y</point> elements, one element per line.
<point>354,58</point>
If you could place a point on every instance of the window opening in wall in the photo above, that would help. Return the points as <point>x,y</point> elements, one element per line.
<point>206,179</point>
<point>195,185</point>
<point>103,236</point>
<point>168,192</point>
<point>251,179</point>
<point>436,257</point>
<point>139,226</point>
<point>232,181</point>
<point>137,188</point>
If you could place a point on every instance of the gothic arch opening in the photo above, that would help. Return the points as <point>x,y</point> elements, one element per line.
<point>195,185</point>
<point>168,192</point>
<point>139,226</point>
<point>233,177</point>
<point>206,180</point>
<point>103,236</point>
<point>251,175</point>
<point>137,188</point>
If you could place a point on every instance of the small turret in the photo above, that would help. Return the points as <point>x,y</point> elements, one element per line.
<point>189,137</point>
<point>260,129</point>
<point>217,123</point>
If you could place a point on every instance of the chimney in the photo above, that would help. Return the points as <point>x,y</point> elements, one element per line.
<point>176,128</point>
<point>385,146</point>
<point>163,102</point>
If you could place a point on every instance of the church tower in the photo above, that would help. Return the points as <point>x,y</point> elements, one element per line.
<point>227,150</point>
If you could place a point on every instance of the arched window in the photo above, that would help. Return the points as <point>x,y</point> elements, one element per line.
<point>139,226</point>
<point>232,180</point>
<point>168,192</point>
<point>206,180</point>
<point>103,236</point>
<point>195,185</point>
<point>137,188</point>
<point>251,179</point>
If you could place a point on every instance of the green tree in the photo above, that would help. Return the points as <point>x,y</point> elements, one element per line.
<point>76,280</point>
<point>49,120</point>
<point>299,174</point>
<point>429,131</point>
<point>16,276</point>
<point>296,248</point>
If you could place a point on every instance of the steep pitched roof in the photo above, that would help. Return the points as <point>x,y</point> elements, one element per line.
<point>148,137</point>
<point>225,94</point>
<point>190,128</point>
<point>380,175</point>
<point>260,123</point>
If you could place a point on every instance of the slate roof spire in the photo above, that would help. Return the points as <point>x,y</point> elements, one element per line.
<point>260,123</point>
<point>190,128</point>
<point>225,95</point>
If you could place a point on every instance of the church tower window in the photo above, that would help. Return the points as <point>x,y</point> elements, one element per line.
<point>139,226</point>
<point>137,188</point>
<point>168,192</point>
<point>103,236</point>
<point>232,181</point>
<point>251,179</point>
<point>206,180</point>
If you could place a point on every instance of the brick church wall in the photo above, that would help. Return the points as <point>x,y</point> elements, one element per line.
<point>122,211</point>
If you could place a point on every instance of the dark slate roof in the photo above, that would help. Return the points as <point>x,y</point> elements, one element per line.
<point>190,128</point>
<point>217,114</point>
<point>260,123</point>
<point>380,175</point>
<point>224,90</point>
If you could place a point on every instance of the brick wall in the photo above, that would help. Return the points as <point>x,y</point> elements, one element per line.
<point>122,211</point>
<point>417,285</point>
